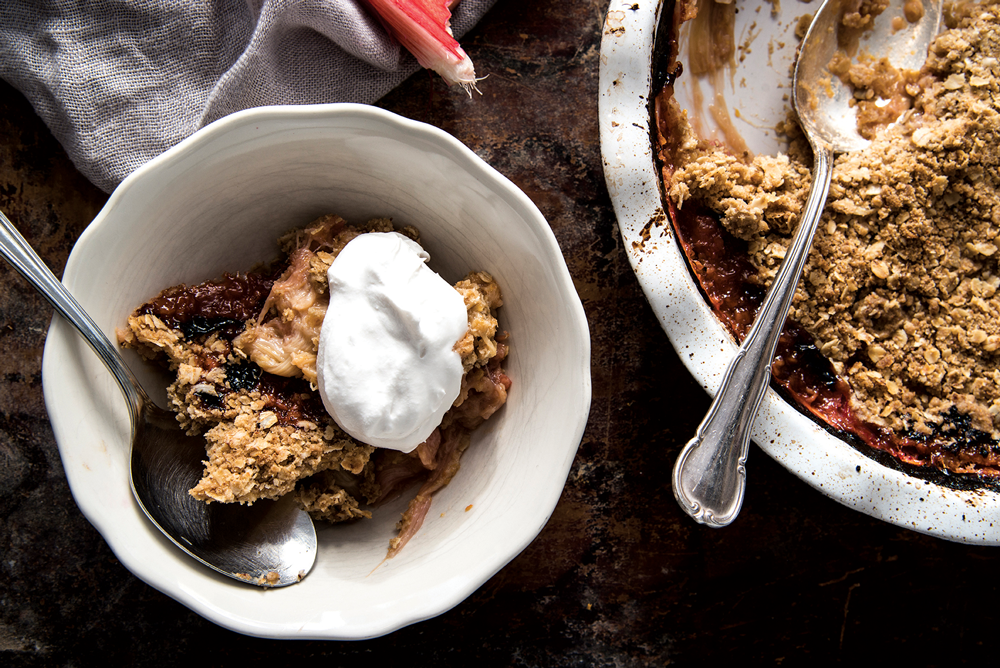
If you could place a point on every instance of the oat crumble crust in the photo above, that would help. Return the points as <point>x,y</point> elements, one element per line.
<point>900,290</point>
<point>251,453</point>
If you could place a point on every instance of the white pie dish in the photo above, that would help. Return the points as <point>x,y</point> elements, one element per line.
<point>758,91</point>
<point>216,203</point>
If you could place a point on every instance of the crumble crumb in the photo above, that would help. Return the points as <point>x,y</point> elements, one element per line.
<point>482,296</point>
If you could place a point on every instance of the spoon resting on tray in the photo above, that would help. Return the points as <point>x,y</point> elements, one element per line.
<point>709,478</point>
<point>270,544</point>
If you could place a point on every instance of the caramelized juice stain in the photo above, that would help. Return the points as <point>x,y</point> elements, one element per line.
<point>711,53</point>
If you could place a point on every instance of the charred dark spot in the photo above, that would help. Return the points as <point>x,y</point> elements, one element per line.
<point>199,324</point>
<point>958,435</point>
<point>243,376</point>
<point>209,400</point>
<point>291,399</point>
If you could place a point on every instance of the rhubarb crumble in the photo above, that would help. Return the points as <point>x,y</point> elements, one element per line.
<point>898,311</point>
<point>243,350</point>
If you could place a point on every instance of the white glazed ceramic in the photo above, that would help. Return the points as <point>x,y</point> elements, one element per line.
<point>216,203</point>
<point>758,90</point>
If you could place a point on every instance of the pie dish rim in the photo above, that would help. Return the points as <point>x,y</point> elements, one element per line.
<point>837,470</point>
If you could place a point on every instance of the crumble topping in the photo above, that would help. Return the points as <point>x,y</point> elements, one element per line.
<point>243,349</point>
<point>900,290</point>
<point>482,297</point>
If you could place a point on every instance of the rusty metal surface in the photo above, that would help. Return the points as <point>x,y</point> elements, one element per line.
<point>619,576</point>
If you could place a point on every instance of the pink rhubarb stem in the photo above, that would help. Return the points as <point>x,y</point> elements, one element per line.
<point>423,27</point>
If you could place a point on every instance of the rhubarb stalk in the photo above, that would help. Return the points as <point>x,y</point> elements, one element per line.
<point>423,27</point>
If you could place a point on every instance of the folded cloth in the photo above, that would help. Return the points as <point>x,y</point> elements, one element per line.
<point>120,81</point>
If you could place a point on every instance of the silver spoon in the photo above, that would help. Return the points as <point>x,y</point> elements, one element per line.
<point>271,543</point>
<point>709,477</point>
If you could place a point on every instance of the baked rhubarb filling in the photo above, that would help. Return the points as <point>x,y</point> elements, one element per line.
<point>243,350</point>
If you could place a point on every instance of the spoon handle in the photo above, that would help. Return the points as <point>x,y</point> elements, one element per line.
<point>710,476</point>
<point>23,258</point>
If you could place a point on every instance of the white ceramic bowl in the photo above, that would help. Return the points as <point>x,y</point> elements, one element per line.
<point>216,203</point>
<point>758,89</point>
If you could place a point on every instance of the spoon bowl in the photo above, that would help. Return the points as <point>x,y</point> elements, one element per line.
<point>270,544</point>
<point>709,478</point>
<point>823,102</point>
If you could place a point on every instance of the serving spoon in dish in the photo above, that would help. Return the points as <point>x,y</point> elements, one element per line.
<point>709,478</point>
<point>269,544</point>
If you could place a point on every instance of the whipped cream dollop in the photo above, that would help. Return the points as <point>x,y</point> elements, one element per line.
<point>387,367</point>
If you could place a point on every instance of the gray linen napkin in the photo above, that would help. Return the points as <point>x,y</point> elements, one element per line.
<point>120,81</point>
